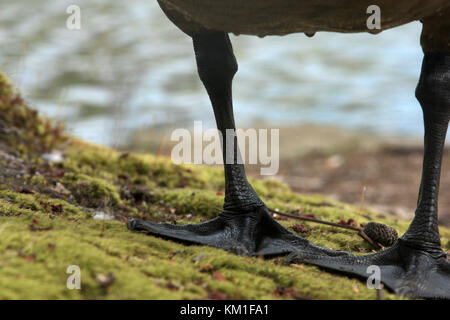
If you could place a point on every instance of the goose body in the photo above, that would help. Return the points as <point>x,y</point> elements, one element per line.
<point>280,17</point>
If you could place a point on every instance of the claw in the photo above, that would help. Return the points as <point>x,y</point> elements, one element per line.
<point>131,225</point>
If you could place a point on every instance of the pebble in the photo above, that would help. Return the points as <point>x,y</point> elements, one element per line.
<point>54,157</point>
<point>100,215</point>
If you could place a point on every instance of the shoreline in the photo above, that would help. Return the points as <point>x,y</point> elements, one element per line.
<point>368,171</point>
<point>340,164</point>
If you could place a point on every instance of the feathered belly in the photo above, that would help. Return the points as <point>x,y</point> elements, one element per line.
<point>278,17</point>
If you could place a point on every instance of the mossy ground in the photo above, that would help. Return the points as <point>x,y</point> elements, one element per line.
<point>47,224</point>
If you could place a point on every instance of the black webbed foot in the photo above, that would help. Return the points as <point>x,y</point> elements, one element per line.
<point>411,271</point>
<point>255,233</point>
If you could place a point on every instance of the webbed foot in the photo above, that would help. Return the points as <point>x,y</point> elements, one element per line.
<point>409,270</point>
<point>254,233</point>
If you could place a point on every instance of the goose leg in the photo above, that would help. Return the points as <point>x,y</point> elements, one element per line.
<point>245,225</point>
<point>415,266</point>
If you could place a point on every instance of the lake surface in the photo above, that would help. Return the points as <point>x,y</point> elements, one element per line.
<point>129,68</point>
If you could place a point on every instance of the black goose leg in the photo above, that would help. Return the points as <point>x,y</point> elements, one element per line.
<point>244,226</point>
<point>415,266</point>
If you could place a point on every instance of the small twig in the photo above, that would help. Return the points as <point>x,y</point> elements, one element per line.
<point>380,292</point>
<point>363,197</point>
<point>162,145</point>
<point>295,216</point>
<point>361,233</point>
<point>103,228</point>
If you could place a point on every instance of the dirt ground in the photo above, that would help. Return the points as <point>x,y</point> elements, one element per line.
<point>386,178</point>
<point>363,169</point>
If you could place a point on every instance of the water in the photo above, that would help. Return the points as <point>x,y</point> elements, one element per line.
<point>129,68</point>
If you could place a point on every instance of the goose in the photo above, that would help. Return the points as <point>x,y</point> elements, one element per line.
<point>415,266</point>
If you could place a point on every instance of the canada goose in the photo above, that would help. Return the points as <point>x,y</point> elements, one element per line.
<point>416,266</point>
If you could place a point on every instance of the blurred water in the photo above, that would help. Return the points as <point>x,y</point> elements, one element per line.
<point>129,68</point>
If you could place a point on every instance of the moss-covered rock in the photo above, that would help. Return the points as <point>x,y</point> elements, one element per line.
<point>21,127</point>
<point>48,222</point>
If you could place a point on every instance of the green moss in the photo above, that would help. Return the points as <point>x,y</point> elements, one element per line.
<point>34,264</point>
<point>38,180</point>
<point>191,201</point>
<point>90,191</point>
<point>26,131</point>
<point>44,230</point>
<point>21,201</point>
<point>17,204</point>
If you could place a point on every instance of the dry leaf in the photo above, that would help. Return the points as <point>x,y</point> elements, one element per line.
<point>219,276</point>
<point>298,266</point>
